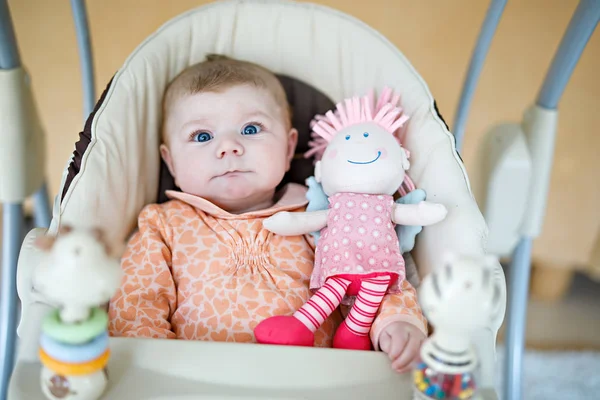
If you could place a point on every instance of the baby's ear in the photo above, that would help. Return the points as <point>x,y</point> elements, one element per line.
<point>318,171</point>
<point>291,150</point>
<point>165,154</point>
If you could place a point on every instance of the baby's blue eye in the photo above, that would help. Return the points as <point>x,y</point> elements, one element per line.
<point>347,137</point>
<point>202,137</point>
<point>251,129</point>
<point>366,134</point>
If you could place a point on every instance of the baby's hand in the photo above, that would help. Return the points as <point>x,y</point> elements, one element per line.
<point>402,343</point>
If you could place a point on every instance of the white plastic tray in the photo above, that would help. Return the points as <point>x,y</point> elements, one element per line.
<point>184,370</point>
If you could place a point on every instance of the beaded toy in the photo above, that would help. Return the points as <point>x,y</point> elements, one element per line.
<point>457,299</point>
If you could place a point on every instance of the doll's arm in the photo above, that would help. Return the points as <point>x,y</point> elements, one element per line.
<point>296,223</point>
<point>423,213</point>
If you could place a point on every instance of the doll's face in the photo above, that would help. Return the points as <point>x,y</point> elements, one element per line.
<point>362,158</point>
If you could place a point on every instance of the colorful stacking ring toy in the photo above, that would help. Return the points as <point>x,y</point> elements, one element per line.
<point>77,333</point>
<point>74,353</point>
<point>80,348</point>
<point>73,369</point>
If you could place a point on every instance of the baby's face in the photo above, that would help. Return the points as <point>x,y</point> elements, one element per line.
<point>232,147</point>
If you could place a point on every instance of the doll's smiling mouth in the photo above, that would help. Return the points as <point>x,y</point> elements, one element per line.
<point>367,162</point>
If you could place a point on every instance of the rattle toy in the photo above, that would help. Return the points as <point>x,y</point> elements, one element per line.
<point>457,299</point>
<point>77,275</point>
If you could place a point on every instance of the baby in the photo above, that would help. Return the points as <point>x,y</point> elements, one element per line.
<point>202,266</point>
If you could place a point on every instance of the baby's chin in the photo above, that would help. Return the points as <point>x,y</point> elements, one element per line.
<point>240,196</point>
<point>239,192</point>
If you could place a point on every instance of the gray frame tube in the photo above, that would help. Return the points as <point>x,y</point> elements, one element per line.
<point>11,229</point>
<point>85,56</point>
<point>518,288</point>
<point>11,245</point>
<point>492,19</point>
<point>42,210</point>
<point>574,41</point>
<point>9,52</point>
<point>580,29</point>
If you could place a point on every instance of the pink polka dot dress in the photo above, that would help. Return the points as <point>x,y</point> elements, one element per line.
<point>359,239</point>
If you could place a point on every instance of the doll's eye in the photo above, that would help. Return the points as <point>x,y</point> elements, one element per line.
<point>347,137</point>
<point>366,134</point>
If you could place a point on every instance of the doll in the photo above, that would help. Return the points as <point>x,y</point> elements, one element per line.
<point>358,252</point>
<point>408,193</point>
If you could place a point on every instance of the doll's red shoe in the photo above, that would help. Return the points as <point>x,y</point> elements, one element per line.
<point>284,330</point>
<point>346,339</point>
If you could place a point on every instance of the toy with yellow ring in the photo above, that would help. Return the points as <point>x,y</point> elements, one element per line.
<point>77,273</point>
<point>67,369</point>
<point>75,353</point>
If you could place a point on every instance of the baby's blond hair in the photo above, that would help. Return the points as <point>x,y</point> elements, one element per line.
<point>220,72</point>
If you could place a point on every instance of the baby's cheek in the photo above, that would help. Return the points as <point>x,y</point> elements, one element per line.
<point>383,151</point>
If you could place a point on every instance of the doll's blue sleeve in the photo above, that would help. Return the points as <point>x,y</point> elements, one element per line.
<point>408,233</point>
<point>317,200</point>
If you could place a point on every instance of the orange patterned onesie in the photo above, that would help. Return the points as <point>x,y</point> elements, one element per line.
<point>194,271</point>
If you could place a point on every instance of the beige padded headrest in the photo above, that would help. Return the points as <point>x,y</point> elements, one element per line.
<point>333,52</point>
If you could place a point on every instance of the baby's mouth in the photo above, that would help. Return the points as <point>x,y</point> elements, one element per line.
<point>232,173</point>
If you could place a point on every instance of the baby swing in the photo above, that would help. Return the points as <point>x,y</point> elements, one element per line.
<point>323,67</point>
<point>316,68</point>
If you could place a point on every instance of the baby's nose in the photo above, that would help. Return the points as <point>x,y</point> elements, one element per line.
<point>230,147</point>
<point>234,151</point>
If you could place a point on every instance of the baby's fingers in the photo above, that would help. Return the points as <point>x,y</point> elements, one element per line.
<point>396,345</point>
<point>408,355</point>
<point>385,342</point>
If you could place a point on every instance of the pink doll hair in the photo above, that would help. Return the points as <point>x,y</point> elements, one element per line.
<point>386,113</point>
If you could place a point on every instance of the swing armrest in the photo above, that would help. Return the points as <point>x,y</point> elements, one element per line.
<point>33,306</point>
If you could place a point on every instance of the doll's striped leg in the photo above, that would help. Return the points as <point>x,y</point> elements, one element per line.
<point>353,333</point>
<point>323,303</point>
<point>299,329</point>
